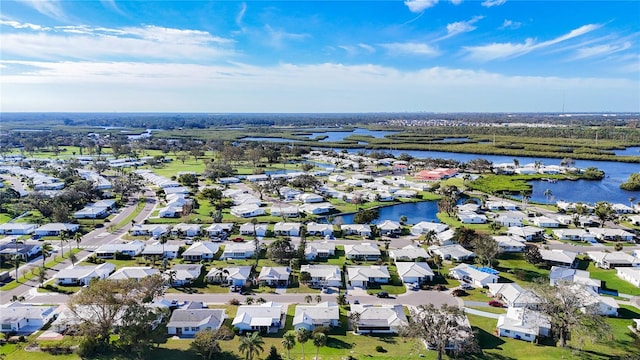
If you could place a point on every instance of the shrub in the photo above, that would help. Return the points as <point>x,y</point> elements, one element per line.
<point>380,349</point>
<point>459,292</point>
<point>225,333</point>
<point>234,301</point>
<point>320,329</point>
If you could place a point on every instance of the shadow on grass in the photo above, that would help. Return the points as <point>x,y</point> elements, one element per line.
<point>338,343</point>
<point>487,340</point>
<point>624,313</point>
<point>171,354</point>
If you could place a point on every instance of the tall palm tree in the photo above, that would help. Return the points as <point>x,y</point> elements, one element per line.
<point>46,251</point>
<point>63,236</point>
<point>42,275</point>
<point>548,193</point>
<point>319,340</point>
<point>77,237</point>
<point>251,345</point>
<point>289,342</point>
<point>302,335</point>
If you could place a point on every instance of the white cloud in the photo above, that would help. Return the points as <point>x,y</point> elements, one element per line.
<point>353,50</point>
<point>510,24</point>
<point>19,25</point>
<point>50,8</point>
<point>368,48</point>
<point>411,48</point>
<point>277,37</point>
<point>240,16</point>
<point>492,3</point>
<point>456,2</point>
<point>417,6</point>
<point>96,86</point>
<point>111,4</point>
<point>509,50</point>
<point>601,50</point>
<point>460,27</point>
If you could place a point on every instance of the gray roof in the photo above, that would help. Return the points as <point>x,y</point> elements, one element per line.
<point>197,318</point>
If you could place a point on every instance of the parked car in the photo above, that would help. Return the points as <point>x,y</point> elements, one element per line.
<point>382,294</point>
<point>238,239</point>
<point>356,301</point>
<point>465,286</point>
<point>496,303</point>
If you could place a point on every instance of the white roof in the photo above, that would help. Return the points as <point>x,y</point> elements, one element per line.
<point>557,255</point>
<point>327,272</point>
<point>200,248</point>
<point>413,269</point>
<point>364,273</point>
<point>362,249</point>
<point>380,315</point>
<point>410,252</point>
<point>310,314</point>
<point>125,273</point>
<point>258,315</point>
<point>81,272</point>
<point>274,273</point>
<point>523,320</point>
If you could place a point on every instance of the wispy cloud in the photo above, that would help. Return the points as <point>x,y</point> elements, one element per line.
<point>456,2</point>
<point>278,37</point>
<point>353,50</point>
<point>19,25</point>
<point>418,6</point>
<point>510,24</point>
<point>411,48</point>
<point>509,50</point>
<point>111,4</point>
<point>492,3</point>
<point>460,27</point>
<point>240,16</point>
<point>601,50</point>
<point>50,8</point>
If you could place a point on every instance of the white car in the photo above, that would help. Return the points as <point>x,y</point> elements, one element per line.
<point>465,286</point>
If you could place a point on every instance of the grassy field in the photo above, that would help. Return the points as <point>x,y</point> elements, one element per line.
<point>611,281</point>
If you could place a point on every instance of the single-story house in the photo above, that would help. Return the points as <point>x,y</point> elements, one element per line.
<point>323,275</point>
<point>408,253</point>
<point>315,229</point>
<point>557,257</point>
<point>510,243</point>
<point>468,217</point>
<point>267,317</point>
<point>253,229</point>
<point>219,228</point>
<point>241,250</point>
<point>82,275</point>
<point>54,229</point>
<point>545,222</point>
<point>508,221</point>
<point>607,234</point>
<point>286,229</point>
<point>424,227</point>
<point>275,275</point>
<point>529,233</point>
<point>500,205</point>
<point>476,276</point>
<point>228,180</point>
<point>187,322</point>
<point>604,305</point>
<point>93,211</point>
<point>109,251</point>
<point>25,319</point>
<point>189,230</point>
<point>154,230</point>
<point>319,250</point>
<point>436,174</point>
<point>163,251</point>
<point>362,251</point>
<point>631,275</point>
<point>311,316</point>
<point>132,272</point>
<point>610,260</point>
<point>317,208</point>
<point>309,198</point>
<point>523,324</point>
<point>285,211</point>
<point>17,228</point>
<point>232,276</point>
<point>202,250</point>
<point>247,210</point>
<point>561,274</point>
<point>452,252</point>
<point>414,272</point>
<point>389,227</point>
<point>184,274</point>
<point>379,319</point>
<point>363,230</point>
<point>574,235</point>
<point>24,251</point>
<point>363,276</point>
<point>512,294</point>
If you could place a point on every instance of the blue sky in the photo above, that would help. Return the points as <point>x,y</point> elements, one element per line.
<point>320,56</point>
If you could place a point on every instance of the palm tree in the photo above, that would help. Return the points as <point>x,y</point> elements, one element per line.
<point>46,251</point>
<point>289,341</point>
<point>250,345</point>
<point>308,299</point>
<point>42,275</point>
<point>548,193</point>
<point>430,237</point>
<point>302,335</point>
<point>318,298</point>
<point>172,276</point>
<point>63,239</point>
<point>163,240</point>
<point>632,199</point>
<point>403,219</point>
<point>319,340</point>
<point>77,238</point>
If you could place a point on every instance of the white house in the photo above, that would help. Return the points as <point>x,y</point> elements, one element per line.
<point>319,250</point>
<point>523,324</point>
<point>545,222</point>
<point>285,211</point>
<point>164,251</point>
<point>607,234</point>
<point>317,208</point>
<point>362,251</point>
<point>389,227</point>
<point>132,272</point>
<point>82,275</point>
<point>363,276</point>
<point>510,243</point>
<point>275,275</point>
<point>574,235</point>
<point>529,233</point>
<point>509,219</point>
<point>17,228</point>
<point>154,230</point>
<point>266,318</point>
<point>241,250</point>
<point>512,294</point>
<point>631,275</point>
<point>408,253</point>
<point>54,229</point>
<point>311,316</point>
<point>202,250</point>
<point>500,205</point>
<point>561,274</point>
<point>189,230</point>
<point>309,198</point>
<point>379,319</point>
<point>559,257</point>
<point>24,319</point>
<point>610,260</point>
<point>286,229</point>
<point>248,210</point>
<point>451,252</point>
<point>363,230</point>
<point>184,274</point>
<point>109,251</point>
<point>232,275</point>
<point>218,229</point>
<point>414,272</point>
<point>315,229</point>
<point>251,229</point>
<point>424,227</point>
<point>187,322</point>
<point>468,217</point>
<point>476,276</point>
<point>323,275</point>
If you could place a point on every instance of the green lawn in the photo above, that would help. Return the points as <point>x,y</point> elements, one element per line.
<point>514,268</point>
<point>4,218</point>
<point>489,309</point>
<point>30,275</point>
<point>611,281</point>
